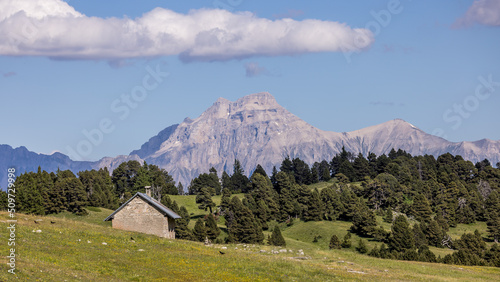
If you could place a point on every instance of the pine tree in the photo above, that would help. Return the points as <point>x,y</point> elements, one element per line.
<point>29,197</point>
<point>181,225</point>
<point>346,243</point>
<point>419,236</point>
<point>388,216</point>
<point>239,181</point>
<point>180,189</point>
<point>362,246</point>
<point>204,198</point>
<point>212,229</point>
<point>334,242</point>
<point>421,209</point>
<point>314,210</point>
<point>200,231</point>
<point>363,222</point>
<point>260,170</point>
<point>493,216</point>
<point>242,226</point>
<point>276,238</point>
<point>434,234</point>
<point>331,203</point>
<point>401,238</point>
<point>226,198</point>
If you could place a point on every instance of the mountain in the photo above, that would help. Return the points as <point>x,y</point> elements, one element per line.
<point>255,129</point>
<point>23,160</point>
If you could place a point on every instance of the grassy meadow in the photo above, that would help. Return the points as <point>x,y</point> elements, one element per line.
<point>72,249</point>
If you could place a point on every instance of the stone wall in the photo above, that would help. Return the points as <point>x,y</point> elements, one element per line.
<point>139,216</point>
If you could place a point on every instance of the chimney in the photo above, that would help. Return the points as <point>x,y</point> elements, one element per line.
<point>148,190</point>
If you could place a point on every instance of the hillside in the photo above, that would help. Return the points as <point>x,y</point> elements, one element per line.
<point>72,249</point>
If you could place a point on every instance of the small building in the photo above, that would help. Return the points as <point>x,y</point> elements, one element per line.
<point>142,213</point>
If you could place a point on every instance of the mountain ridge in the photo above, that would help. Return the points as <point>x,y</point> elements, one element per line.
<point>256,130</point>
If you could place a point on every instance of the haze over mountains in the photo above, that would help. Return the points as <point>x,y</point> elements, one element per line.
<point>255,129</point>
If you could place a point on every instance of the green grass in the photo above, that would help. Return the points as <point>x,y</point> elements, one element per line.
<point>71,249</point>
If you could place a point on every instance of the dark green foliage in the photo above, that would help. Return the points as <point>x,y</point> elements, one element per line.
<point>265,197</point>
<point>434,234</point>
<point>331,203</point>
<point>425,255</point>
<point>226,181</point>
<point>383,192</point>
<point>3,200</point>
<point>401,238</point>
<point>226,198</point>
<point>361,248</point>
<point>99,188</point>
<point>29,196</point>
<point>259,169</point>
<point>314,210</point>
<point>200,231</point>
<point>211,227</point>
<point>363,221</point>
<point>204,198</point>
<point>388,217</point>
<point>493,216</point>
<point>239,181</point>
<point>419,236</point>
<point>181,225</point>
<point>276,238</point>
<point>205,180</point>
<point>421,208</point>
<point>346,242</point>
<point>242,225</point>
<point>180,189</point>
<point>334,242</point>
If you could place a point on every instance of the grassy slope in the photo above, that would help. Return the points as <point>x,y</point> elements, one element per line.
<point>62,251</point>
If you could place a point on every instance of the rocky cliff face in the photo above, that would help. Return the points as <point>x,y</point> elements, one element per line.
<point>255,129</point>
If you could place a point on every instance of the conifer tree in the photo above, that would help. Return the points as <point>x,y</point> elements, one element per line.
<point>226,181</point>
<point>226,198</point>
<point>363,221</point>
<point>200,231</point>
<point>434,234</point>
<point>331,203</point>
<point>239,181</point>
<point>181,225</point>
<point>204,198</point>
<point>260,170</point>
<point>362,246</point>
<point>276,238</point>
<point>29,197</point>
<point>388,216</point>
<point>401,238</point>
<point>419,236</point>
<point>346,242</point>
<point>314,210</point>
<point>421,209</point>
<point>180,189</point>
<point>242,226</point>
<point>493,216</point>
<point>334,242</point>
<point>212,229</point>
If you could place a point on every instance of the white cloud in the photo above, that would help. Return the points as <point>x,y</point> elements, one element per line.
<point>485,12</point>
<point>54,29</point>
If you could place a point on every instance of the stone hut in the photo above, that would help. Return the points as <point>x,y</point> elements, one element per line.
<point>142,213</point>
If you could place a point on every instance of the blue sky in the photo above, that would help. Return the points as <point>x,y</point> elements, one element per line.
<point>65,67</point>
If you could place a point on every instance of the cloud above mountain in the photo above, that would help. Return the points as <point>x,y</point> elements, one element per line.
<point>52,28</point>
<point>484,12</point>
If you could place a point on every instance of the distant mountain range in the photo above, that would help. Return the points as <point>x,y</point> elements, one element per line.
<point>255,129</point>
